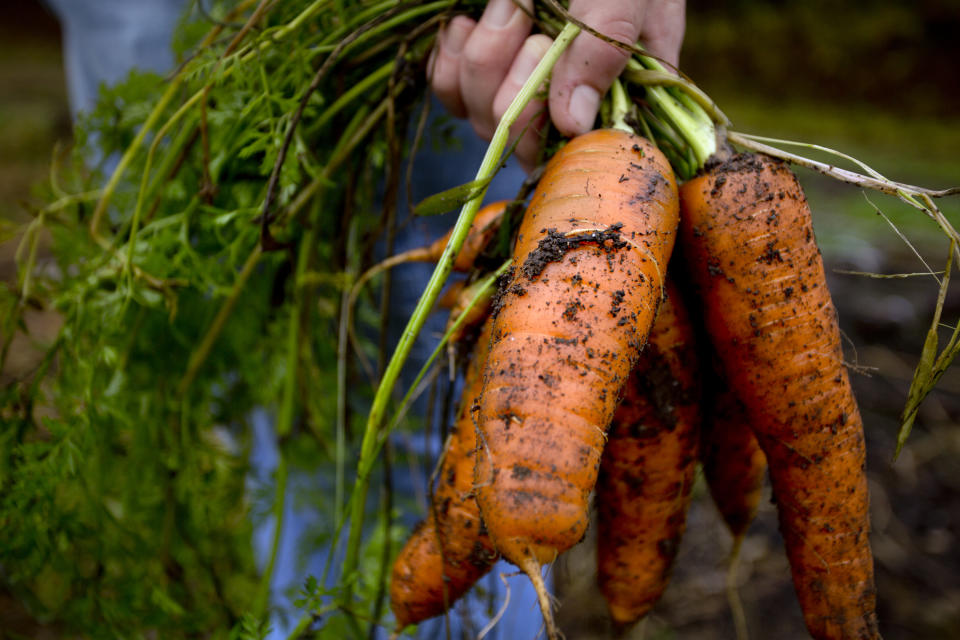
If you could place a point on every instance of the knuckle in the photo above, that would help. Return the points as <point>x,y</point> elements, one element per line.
<point>621,29</point>
<point>480,58</point>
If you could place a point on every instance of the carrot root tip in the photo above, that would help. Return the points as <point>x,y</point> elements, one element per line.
<point>531,566</point>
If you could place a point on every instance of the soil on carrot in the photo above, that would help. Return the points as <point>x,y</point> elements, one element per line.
<point>556,245</point>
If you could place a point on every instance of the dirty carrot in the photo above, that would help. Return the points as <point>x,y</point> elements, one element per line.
<point>734,467</point>
<point>482,231</point>
<point>733,463</point>
<point>475,315</point>
<point>750,249</point>
<point>484,228</point>
<point>448,552</point>
<point>587,277</point>
<point>647,469</point>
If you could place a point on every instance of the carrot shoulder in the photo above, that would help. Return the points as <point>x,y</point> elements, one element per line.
<point>750,249</point>
<point>448,552</point>
<point>588,269</point>
<point>647,469</point>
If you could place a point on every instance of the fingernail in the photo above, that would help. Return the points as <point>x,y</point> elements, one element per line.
<point>454,37</point>
<point>530,55</point>
<point>584,103</point>
<point>499,12</point>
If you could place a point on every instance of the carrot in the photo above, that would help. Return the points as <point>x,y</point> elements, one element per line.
<point>750,250</point>
<point>588,269</point>
<point>733,463</point>
<point>734,467</point>
<point>647,468</point>
<point>448,552</point>
<point>458,300</point>
<point>484,228</point>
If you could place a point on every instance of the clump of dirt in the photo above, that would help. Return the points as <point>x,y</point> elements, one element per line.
<point>555,245</point>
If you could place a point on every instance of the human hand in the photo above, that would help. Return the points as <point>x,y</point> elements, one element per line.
<point>479,67</point>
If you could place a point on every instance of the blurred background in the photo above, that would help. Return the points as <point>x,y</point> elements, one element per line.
<point>875,79</point>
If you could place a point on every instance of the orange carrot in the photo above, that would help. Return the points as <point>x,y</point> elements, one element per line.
<point>647,468</point>
<point>448,552</point>
<point>750,249</point>
<point>484,228</point>
<point>734,467</point>
<point>733,463</point>
<point>458,299</point>
<point>588,270</point>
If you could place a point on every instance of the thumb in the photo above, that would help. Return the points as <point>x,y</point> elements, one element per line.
<point>589,66</point>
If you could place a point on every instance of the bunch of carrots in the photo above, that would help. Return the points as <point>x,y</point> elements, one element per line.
<point>642,327</point>
<point>587,377</point>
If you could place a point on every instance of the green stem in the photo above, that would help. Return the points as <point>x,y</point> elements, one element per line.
<point>127,157</point>
<point>262,599</point>
<point>680,105</point>
<point>491,161</point>
<point>699,134</point>
<point>338,155</point>
<point>271,38</point>
<point>198,357</point>
<point>288,403</point>
<point>361,88</point>
<point>387,25</point>
<point>342,350</point>
<point>648,72</point>
<point>620,108</point>
<point>300,20</point>
<point>164,101</point>
<point>141,194</point>
<point>34,240</point>
<point>67,200</point>
<point>408,398</point>
<point>302,625</point>
<point>336,35</point>
<point>451,330</point>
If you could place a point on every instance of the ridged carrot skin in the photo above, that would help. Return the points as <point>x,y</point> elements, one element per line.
<point>448,552</point>
<point>647,469</point>
<point>733,463</point>
<point>588,271</point>
<point>750,249</point>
